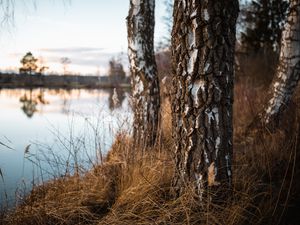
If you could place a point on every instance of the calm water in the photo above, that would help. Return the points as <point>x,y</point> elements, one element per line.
<point>48,133</point>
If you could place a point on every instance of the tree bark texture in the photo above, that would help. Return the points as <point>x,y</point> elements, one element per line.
<point>144,79</point>
<point>288,70</point>
<point>203,45</point>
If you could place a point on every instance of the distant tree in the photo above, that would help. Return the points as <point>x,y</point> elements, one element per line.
<point>287,73</point>
<point>116,71</point>
<point>42,68</point>
<point>32,65</point>
<point>264,20</point>
<point>65,61</point>
<point>203,46</point>
<point>144,79</point>
<point>168,19</point>
<point>29,64</point>
<point>165,43</point>
<point>163,49</point>
<point>163,61</point>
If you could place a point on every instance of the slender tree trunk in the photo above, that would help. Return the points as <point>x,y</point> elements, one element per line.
<point>288,70</point>
<point>203,44</point>
<point>144,79</point>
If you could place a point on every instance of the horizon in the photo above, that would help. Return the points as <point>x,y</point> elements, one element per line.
<point>74,29</point>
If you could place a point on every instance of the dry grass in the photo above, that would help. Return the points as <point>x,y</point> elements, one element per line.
<point>135,188</point>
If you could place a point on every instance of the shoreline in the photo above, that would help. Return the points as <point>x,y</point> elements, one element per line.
<point>61,81</point>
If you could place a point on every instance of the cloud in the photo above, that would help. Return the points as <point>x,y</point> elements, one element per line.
<point>87,58</point>
<point>81,57</point>
<point>72,50</point>
<point>84,56</point>
<point>15,55</point>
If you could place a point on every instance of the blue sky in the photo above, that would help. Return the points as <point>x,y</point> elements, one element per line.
<point>89,32</point>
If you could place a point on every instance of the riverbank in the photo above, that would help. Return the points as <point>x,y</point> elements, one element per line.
<point>133,186</point>
<point>61,81</point>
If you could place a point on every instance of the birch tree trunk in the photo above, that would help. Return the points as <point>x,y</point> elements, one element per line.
<point>144,79</point>
<point>203,45</point>
<point>288,70</point>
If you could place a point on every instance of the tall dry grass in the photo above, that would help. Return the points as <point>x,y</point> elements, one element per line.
<point>134,187</point>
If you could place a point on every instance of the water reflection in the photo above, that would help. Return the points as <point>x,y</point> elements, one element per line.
<point>56,123</point>
<point>116,98</point>
<point>30,101</point>
<point>33,100</point>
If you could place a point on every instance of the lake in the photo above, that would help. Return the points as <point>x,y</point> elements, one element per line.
<point>47,133</point>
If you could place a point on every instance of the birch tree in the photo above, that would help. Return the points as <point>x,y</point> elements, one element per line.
<point>203,45</point>
<point>288,70</point>
<point>262,23</point>
<point>144,79</point>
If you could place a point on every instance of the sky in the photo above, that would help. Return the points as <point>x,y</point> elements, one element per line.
<point>88,32</point>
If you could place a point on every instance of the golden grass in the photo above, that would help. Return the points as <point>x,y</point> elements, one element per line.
<point>131,188</point>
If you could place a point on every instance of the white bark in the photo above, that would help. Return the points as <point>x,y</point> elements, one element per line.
<point>145,87</point>
<point>288,70</point>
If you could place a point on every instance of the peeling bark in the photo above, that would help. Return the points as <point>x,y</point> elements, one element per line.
<point>288,70</point>
<point>203,43</point>
<point>144,79</point>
